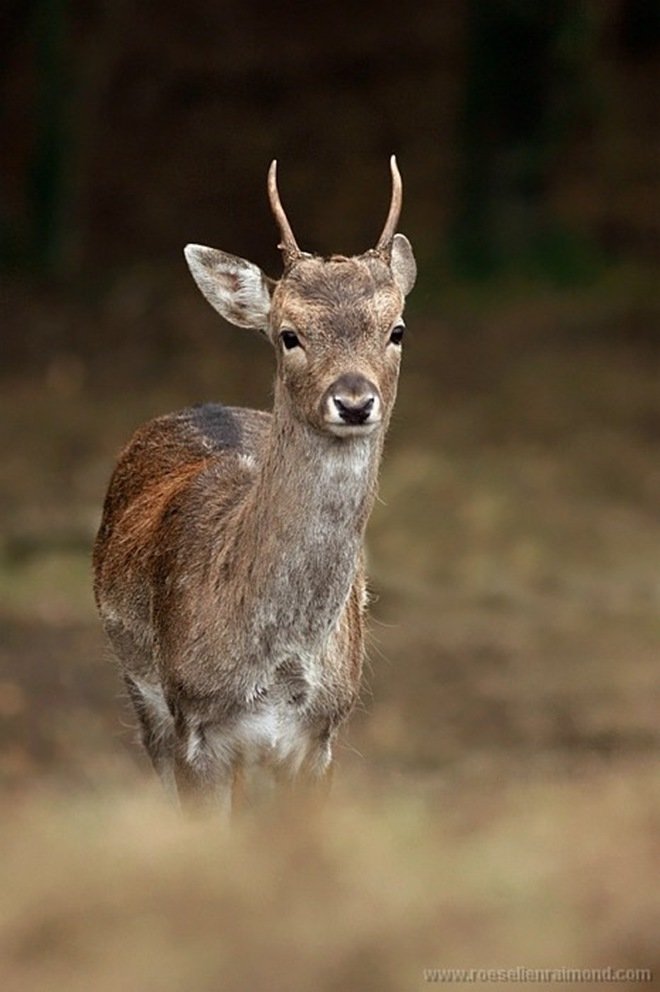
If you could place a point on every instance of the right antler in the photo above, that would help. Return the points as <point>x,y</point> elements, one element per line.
<point>384,245</point>
<point>288,244</point>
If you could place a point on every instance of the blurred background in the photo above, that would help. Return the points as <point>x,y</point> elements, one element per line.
<point>497,799</point>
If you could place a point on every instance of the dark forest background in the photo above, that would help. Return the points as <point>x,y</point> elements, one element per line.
<point>497,797</point>
<point>527,132</point>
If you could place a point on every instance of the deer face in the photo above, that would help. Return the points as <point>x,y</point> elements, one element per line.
<point>337,328</point>
<point>336,324</point>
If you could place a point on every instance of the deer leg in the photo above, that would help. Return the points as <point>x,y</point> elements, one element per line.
<point>315,778</point>
<point>204,770</point>
<point>156,729</point>
<point>308,783</point>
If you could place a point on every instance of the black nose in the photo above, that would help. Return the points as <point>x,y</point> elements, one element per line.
<point>353,413</point>
<point>353,397</point>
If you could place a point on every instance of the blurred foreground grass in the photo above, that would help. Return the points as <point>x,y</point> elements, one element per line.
<point>497,798</point>
<point>113,892</point>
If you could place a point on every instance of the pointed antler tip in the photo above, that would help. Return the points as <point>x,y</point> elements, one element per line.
<point>384,244</point>
<point>288,243</point>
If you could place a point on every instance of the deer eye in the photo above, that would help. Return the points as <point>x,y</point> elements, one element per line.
<point>396,337</point>
<point>290,340</point>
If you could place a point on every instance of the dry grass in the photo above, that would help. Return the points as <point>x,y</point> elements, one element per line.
<point>113,892</point>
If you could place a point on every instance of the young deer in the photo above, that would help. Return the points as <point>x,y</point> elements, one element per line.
<point>229,562</point>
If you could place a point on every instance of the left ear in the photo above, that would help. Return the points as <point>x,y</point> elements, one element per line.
<point>403,265</point>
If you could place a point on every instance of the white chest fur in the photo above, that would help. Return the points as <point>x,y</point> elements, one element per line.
<point>273,734</point>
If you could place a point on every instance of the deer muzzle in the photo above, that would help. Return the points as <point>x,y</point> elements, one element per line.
<point>351,405</point>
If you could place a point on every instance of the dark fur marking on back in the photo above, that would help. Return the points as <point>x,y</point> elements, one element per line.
<point>217,423</point>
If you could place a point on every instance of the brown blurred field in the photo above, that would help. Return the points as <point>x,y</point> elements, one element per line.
<point>497,800</point>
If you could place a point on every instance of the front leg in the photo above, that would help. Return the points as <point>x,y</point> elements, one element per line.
<point>307,783</point>
<point>205,768</point>
<point>207,756</point>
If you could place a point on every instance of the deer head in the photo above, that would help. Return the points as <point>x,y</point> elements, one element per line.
<point>336,323</point>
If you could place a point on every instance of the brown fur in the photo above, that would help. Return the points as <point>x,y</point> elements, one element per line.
<point>228,565</point>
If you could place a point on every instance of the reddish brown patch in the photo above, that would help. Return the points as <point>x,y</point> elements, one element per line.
<point>143,515</point>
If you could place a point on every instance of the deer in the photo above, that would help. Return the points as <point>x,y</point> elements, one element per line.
<point>229,565</point>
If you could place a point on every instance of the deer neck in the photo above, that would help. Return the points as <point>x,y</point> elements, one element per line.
<point>315,487</point>
<point>304,526</point>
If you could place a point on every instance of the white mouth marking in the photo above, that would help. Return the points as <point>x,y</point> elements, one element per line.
<point>341,429</point>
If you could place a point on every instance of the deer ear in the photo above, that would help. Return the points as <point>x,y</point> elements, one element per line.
<point>404,267</point>
<point>237,289</point>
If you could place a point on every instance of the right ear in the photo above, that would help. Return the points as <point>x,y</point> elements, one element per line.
<point>237,289</point>
<point>403,264</point>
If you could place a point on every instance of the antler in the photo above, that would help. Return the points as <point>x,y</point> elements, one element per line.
<point>384,245</point>
<point>288,243</point>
